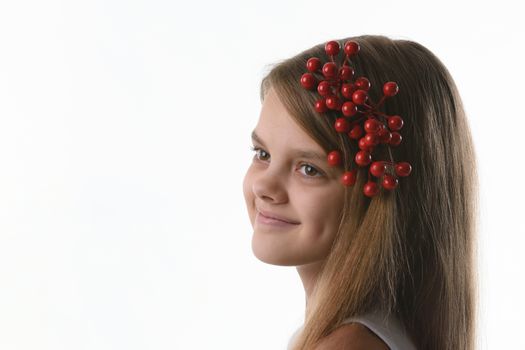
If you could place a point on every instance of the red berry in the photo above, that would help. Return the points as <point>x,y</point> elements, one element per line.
<point>351,48</point>
<point>320,106</point>
<point>346,72</point>
<point>390,182</point>
<point>313,64</point>
<point>332,48</point>
<point>403,169</point>
<point>390,88</point>
<point>363,145</point>
<point>329,70</point>
<point>359,97</point>
<point>334,158</point>
<point>363,158</point>
<point>348,178</point>
<point>362,83</point>
<point>324,88</point>
<point>370,189</point>
<point>371,139</point>
<point>356,132</point>
<point>377,169</point>
<point>341,125</point>
<point>384,135</point>
<point>372,126</point>
<point>333,102</point>
<point>395,122</point>
<point>349,109</point>
<point>347,90</point>
<point>396,139</point>
<point>308,81</point>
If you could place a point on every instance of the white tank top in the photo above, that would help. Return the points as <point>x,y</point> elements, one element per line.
<point>389,330</point>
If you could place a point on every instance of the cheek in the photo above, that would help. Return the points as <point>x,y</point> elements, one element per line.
<point>322,212</point>
<point>247,191</point>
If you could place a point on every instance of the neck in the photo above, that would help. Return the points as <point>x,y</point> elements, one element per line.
<point>309,273</point>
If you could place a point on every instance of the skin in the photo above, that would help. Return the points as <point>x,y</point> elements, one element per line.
<point>305,190</point>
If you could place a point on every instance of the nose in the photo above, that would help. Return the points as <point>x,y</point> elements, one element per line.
<point>270,187</point>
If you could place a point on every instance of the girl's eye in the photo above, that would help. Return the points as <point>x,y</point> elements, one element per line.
<point>259,152</point>
<point>310,171</point>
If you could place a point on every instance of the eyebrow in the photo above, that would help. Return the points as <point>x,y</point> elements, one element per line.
<point>297,152</point>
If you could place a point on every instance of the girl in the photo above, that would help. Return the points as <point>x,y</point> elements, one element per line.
<point>387,262</point>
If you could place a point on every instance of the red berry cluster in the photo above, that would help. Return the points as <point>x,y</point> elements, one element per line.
<point>361,119</point>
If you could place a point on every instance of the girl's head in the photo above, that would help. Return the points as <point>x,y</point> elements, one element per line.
<point>290,179</point>
<point>409,251</point>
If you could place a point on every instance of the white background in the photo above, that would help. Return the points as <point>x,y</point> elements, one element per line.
<point>124,138</point>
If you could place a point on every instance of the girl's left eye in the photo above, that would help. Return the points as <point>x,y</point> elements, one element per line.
<point>310,171</point>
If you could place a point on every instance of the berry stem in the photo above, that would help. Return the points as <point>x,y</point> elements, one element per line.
<point>369,106</point>
<point>381,101</point>
<point>357,121</point>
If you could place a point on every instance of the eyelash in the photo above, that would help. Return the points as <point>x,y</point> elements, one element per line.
<point>320,173</point>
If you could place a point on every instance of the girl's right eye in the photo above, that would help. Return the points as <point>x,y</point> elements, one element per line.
<point>259,152</point>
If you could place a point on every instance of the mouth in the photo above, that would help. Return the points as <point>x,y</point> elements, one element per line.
<point>271,220</point>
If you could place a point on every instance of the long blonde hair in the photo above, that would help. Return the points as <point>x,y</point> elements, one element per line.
<point>410,252</point>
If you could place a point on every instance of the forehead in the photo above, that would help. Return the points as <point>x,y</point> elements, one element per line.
<point>276,126</point>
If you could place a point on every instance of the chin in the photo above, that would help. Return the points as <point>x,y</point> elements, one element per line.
<point>268,253</point>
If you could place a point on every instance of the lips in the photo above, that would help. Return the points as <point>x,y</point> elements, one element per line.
<point>277,217</point>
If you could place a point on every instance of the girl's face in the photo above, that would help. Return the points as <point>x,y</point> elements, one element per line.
<point>289,179</point>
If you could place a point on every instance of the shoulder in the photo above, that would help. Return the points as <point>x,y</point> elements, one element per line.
<point>352,336</point>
